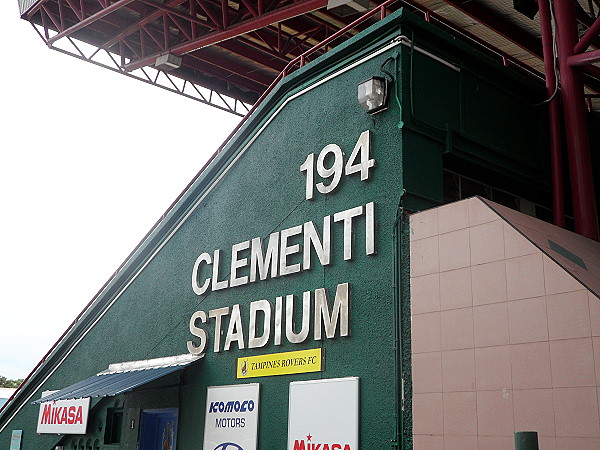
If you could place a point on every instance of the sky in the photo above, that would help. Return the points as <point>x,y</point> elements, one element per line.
<point>90,160</point>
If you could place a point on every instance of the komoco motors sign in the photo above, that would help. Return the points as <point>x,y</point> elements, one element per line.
<point>231,417</point>
<point>64,416</point>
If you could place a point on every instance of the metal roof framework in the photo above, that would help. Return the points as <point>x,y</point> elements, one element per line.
<point>232,50</point>
<point>228,53</point>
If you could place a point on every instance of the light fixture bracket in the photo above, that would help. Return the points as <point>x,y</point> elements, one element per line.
<point>167,62</point>
<point>348,7</point>
<point>373,95</point>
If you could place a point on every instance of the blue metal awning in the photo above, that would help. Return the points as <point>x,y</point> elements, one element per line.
<point>121,377</point>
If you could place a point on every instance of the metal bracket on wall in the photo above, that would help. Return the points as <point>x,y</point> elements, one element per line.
<point>402,395</point>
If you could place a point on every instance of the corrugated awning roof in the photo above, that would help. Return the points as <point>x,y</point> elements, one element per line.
<point>121,377</point>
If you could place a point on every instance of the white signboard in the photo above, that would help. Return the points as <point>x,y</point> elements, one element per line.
<point>231,417</point>
<point>64,416</point>
<point>323,414</point>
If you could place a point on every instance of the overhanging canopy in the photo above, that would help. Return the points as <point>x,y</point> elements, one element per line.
<point>121,377</point>
<point>236,48</point>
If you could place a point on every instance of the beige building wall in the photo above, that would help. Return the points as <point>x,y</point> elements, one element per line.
<point>504,338</point>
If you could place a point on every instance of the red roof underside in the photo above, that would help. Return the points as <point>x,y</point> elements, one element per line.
<point>238,47</point>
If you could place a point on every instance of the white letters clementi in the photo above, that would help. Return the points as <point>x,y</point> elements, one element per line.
<point>288,251</point>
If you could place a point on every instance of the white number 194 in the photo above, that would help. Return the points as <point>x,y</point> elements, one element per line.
<point>359,162</point>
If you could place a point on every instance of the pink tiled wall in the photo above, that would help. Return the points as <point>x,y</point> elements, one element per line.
<point>503,338</point>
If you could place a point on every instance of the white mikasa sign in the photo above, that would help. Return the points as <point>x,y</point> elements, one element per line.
<point>64,416</point>
<point>231,417</point>
<point>323,414</point>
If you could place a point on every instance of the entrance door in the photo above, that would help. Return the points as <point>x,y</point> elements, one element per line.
<point>158,429</point>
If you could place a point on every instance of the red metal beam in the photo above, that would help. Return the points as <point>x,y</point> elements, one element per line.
<point>55,21</point>
<point>282,74</point>
<point>194,26</point>
<point>209,67</point>
<point>325,42</point>
<point>44,24</point>
<point>209,13</point>
<point>166,31</point>
<point>61,14</point>
<point>250,8</point>
<point>182,27</point>
<point>107,25</point>
<point>157,39</point>
<point>301,26</point>
<point>37,7</point>
<point>271,43</point>
<point>134,51</point>
<point>292,41</point>
<point>583,59</point>
<point>489,18</point>
<point>558,190</point>
<point>576,126</point>
<point>594,71</point>
<point>587,38</point>
<point>264,58</point>
<point>587,20</point>
<point>172,11</point>
<point>276,49</point>
<point>225,13</point>
<point>465,35</point>
<point>77,10</point>
<point>230,66</point>
<point>299,42</point>
<point>235,30</point>
<point>267,50</point>
<point>138,25</point>
<point>91,19</point>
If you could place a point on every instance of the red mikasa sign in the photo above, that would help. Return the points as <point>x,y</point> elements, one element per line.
<point>64,416</point>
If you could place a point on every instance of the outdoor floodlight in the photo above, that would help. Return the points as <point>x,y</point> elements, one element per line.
<point>373,94</point>
<point>345,8</point>
<point>168,62</point>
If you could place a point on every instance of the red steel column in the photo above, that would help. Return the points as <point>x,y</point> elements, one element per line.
<point>558,191</point>
<point>580,166</point>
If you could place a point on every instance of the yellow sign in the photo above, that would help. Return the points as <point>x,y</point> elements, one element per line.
<point>287,363</point>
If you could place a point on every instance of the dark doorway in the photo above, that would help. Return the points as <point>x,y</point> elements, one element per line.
<point>158,429</point>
